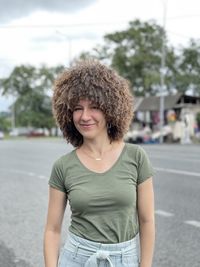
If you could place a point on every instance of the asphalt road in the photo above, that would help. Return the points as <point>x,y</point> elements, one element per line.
<point>25,166</point>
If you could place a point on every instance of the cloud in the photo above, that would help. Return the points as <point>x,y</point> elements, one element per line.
<point>11,10</point>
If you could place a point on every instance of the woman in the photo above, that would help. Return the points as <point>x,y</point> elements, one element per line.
<point>108,183</point>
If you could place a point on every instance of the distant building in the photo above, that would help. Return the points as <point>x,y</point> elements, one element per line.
<point>148,108</point>
<point>179,112</point>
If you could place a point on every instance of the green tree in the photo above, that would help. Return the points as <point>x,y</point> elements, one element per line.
<point>5,122</point>
<point>136,54</point>
<point>188,68</point>
<point>31,86</point>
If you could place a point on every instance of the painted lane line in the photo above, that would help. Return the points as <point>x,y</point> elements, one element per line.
<point>193,223</point>
<point>164,213</point>
<point>178,171</point>
<point>18,171</point>
<point>42,177</point>
<point>32,174</point>
<point>177,159</point>
<point>21,172</point>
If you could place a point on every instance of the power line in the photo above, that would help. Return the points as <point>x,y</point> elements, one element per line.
<point>180,35</point>
<point>90,23</point>
<point>183,17</point>
<point>60,25</point>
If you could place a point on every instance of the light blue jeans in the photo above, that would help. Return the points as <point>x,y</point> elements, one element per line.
<point>80,252</point>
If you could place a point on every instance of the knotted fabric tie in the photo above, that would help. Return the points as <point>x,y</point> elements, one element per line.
<point>99,255</point>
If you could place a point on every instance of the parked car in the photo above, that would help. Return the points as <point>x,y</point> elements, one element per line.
<point>35,133</point>
<point>1,135</point>
<point>139,136</point>
<point>21,131</point>
<point>166,133</point>
<point>39,132</point>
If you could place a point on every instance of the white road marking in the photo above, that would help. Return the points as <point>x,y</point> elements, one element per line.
<point>32,174</point>
<point>42,177</point>
<point>164,213</point>
<point>177,158</point>
<point>193,223</point>
<point>17,171</point>
<point>188,173</point>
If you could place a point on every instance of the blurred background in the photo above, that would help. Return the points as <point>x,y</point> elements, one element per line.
<point>155,45</point>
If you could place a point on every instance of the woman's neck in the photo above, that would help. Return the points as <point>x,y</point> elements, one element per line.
<point>97,146</point>
<point>101,147</point>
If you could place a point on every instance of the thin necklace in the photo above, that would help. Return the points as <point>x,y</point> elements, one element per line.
<point>97,159</point>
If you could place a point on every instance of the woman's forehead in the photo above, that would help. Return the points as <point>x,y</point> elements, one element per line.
<point>84,101</point>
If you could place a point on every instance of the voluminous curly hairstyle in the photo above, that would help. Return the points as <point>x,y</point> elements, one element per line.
<point>103,86</point>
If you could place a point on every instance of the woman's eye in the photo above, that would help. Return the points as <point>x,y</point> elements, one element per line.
<point>95,107</point>
<point>77,108</point>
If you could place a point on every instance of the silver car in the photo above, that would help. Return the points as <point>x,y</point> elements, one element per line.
<point>1,135</point>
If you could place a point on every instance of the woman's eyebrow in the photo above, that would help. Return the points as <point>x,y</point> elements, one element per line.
<point>93,104</point>
<point>78,105</point>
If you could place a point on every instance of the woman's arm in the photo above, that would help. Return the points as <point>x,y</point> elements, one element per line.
<point>56,209</point>
<point>146,222</point>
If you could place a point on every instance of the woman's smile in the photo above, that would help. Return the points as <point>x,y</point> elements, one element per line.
<point>86,126</point>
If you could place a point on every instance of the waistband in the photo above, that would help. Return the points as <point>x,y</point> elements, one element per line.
<point>99,251</point>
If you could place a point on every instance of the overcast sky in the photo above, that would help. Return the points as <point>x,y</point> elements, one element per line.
<point>54,31</point>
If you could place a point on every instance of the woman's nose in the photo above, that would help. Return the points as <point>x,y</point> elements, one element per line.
<point>85,114</point>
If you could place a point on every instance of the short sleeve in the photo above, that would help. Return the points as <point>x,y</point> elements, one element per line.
<point>145,169</point>
<point>57,176</point>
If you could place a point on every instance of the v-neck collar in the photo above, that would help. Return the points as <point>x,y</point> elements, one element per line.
<point>117,161</point>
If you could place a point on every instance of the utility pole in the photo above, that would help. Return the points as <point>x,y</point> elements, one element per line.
<point>162,73</point>
<point>13,115</point>
<point>70,51</point>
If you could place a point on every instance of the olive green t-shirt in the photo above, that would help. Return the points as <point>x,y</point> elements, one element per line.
<point>103,205</point>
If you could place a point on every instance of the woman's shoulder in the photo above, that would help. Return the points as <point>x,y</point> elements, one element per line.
<point>65,159</point>
<point>132,148</point>
<point>135,151</point>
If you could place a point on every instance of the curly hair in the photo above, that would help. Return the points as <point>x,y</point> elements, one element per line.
<point>101,85</point>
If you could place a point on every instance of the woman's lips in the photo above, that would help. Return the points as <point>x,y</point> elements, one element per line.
<point>86,125</point>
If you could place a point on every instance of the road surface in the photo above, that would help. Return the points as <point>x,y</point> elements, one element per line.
<point>25,166</point>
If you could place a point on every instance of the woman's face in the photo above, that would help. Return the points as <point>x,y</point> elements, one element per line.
<point>89,120</point>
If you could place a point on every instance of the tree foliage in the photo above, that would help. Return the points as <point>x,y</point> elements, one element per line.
<point>5,122</point>
<point>30,86</point>
<point>188,68</point>
<point>136,54</point>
